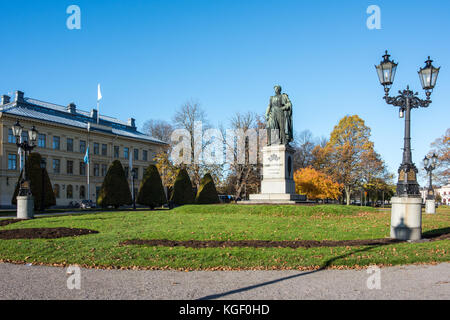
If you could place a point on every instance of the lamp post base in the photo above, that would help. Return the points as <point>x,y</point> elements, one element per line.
<point>406,218</point>
<point>430,206</point>
<point>25,207</point>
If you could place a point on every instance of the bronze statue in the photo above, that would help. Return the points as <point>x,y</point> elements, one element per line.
<point>279,119</point>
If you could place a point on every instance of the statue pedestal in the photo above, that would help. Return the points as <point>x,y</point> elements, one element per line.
<point>406,218</point>
<point>277,186</point>
<point>430,206</point>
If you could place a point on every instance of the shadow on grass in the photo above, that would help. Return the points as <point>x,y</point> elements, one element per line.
<point>432,234</point>
<point>436,233</point>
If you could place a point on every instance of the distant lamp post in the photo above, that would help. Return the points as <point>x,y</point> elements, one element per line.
<point>25,201</point>
<point>133,178</point>
<point>43,166</point>
<point>408,193</point>
<point>429,166</point>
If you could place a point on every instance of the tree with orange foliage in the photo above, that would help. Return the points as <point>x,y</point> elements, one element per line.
<point>315,184</point>
<point>346,151</point>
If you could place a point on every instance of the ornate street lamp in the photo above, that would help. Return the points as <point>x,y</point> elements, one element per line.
<point>26,146</point>
<point>429,167</point>
<point>25,201</point>
<point>406,214</point>
<point>406,100</point>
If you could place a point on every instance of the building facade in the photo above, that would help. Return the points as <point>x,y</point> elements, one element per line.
<point>65,133</point>
<point>444,192</point>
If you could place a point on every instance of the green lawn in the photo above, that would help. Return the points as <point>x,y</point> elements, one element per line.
<point>227,222</point>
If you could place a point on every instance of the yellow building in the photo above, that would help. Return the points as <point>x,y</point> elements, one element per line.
<point>64,135</point>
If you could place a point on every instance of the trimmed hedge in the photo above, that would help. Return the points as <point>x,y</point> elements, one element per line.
<point>207,193</point>
<point>182,189</point>
<point>115,190</point>
<point>151,190</point>
<point>34,173</point>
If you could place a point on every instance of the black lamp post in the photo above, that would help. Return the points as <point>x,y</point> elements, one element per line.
<point>133,177</point>
<point>429,167</point>
<point>407,185</point>
<point>27,146</point>
<point>43,166</point>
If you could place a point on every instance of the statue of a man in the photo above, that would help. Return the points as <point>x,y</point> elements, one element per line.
<point>279,118</point>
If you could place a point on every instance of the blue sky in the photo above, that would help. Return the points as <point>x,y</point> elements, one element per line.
<point>152,56</point>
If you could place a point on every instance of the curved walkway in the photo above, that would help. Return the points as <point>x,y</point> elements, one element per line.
<point>402,282</point>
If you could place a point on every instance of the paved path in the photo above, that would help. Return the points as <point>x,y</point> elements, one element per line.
<point>404,282</point>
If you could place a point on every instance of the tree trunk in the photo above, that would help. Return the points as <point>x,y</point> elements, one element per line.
<point>347,195</point>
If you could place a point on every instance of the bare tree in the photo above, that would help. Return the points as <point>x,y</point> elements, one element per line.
<point>244,174</point>
<point>159,129</point>
<point>187,117</point>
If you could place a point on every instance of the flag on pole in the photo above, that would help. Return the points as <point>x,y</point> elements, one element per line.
<point>86,156</point>
<point>99,97</point>
<point>99,93</point>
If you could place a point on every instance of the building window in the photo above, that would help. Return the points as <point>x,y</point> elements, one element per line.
<point>42,143</point>
<point>96,170</point>
<point>11,138</point>
<point>82,192</point>
<point>69,167</point>
<point>69,191</point>
<point>56,165</point>
<point>56,190</point>
<point>126,153</point>
<point>82,168</point>
<point>82,146</point>
<point>116,152</point>
<point>136,154</point>
<point>56,143</point>
<point>104,150</point>
<point>24,136</point>
<point>145,155</point>
<point>96,148</point>
<point>69,144</point>
<point>104,168</point>
<point>126,169</point>
<point>12,161</point>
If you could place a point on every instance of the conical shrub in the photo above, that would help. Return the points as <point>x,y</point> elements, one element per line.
<point>35,175</point>
<point>151,190</point>
<point>115,190</point>
<point>182,189</point>
<point>207,193</point>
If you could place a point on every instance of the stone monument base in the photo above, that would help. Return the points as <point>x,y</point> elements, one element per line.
<point>430,206</point>
<point>406,218</point>
<point>25,207</point>
<point>277,186</point>
<point>275,198</point>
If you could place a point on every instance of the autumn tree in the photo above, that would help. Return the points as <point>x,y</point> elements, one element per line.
<point>315,184</point>
<point>166,168</point>
<point>346,151</point>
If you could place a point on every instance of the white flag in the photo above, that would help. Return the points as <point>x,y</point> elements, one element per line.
<point>99,94</point>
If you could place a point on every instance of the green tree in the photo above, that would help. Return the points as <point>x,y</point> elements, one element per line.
<point>207,193</point>
<point>115,190</point>
<point>35,175</point>
<point>151,190</point>
<point>182,189</point>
